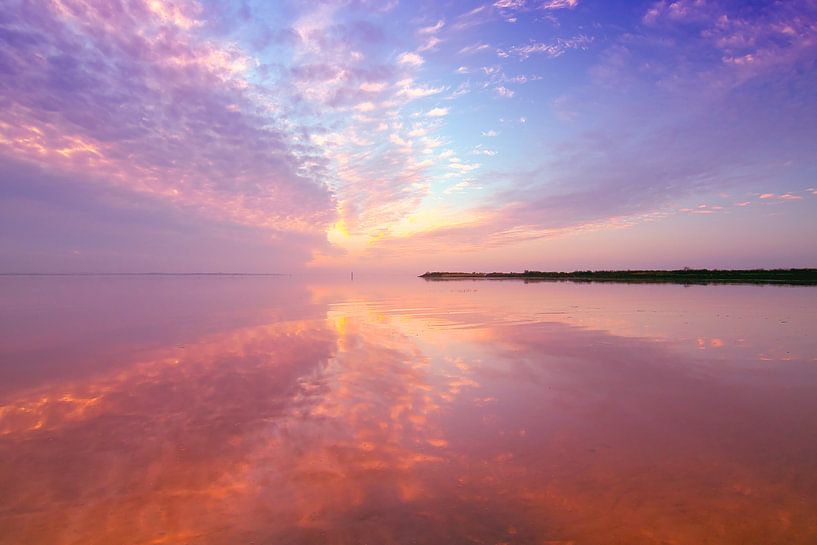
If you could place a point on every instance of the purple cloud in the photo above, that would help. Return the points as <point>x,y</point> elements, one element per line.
<point>132,96</point>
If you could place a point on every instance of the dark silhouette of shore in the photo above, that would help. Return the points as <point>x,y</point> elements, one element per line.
<point>681,276</point>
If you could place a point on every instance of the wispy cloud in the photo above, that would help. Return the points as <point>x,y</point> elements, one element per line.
<point>474,48</point>
<point>432,29</point>
<point>553,49</point>
<point>437,112</point>
<point>779,197</point>
<point>535,5</point>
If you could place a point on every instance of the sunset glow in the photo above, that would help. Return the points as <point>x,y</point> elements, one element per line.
<point>188,135</point>
<point>410,411</point>
<point>398,272</point>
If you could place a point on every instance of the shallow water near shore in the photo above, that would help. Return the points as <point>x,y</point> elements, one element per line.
<point>309,410</point>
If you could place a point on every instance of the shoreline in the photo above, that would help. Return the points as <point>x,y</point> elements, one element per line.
<point>795,277</point>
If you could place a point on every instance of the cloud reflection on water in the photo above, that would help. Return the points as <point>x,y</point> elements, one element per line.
<point>451,417</point>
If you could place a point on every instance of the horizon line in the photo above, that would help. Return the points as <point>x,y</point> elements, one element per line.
<point>137,273</point>
<point>222,273</point>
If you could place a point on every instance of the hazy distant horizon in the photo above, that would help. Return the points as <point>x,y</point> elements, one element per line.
<point>352,272</point>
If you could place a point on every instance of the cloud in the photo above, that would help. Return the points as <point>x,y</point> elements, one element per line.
<point>613,176</point>
<point>411,59</point>
<point>432,29</point>
<point>407,89</point>
<point>474,17</point>
<point>481,150</point>
<point>455,164</point>
<point>430,44</point>
<point>437,112</point>
<point>137,100</point>
<point>510,4</point>
<point>779,197</point>
<point>749,41</point>
<point>328,118</point>
<point>474,48</point>
<point>152,100</point>
<point>511,10</point>
<point>559,4</point>
<point>517,5</point>
<point>55,222</point>
<point>554,49</point>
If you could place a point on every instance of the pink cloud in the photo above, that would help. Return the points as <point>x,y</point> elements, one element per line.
<point>135,98</point>
<point>780,197</point>
<point>514,5</point>
<point>411,59</point>
<point>771,36</point>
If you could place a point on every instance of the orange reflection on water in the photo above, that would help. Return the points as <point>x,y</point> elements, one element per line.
<point>409,412</point>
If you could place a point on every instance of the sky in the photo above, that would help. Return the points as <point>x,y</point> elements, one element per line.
<point>281,136</point>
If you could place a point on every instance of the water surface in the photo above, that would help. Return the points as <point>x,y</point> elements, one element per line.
<point>148,410</point>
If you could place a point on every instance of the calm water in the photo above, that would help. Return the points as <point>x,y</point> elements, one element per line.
<point>282,410</point>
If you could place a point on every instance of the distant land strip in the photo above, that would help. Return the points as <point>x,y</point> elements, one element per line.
<point>680,276</point>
